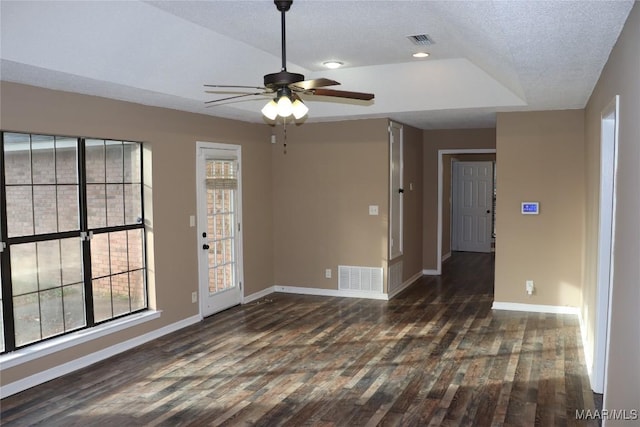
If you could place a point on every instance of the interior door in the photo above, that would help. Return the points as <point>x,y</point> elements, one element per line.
<point>219,227</point>
<point>472,206</point>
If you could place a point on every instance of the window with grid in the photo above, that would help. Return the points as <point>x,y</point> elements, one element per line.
<point>222,185</point>
<point>72,235</point>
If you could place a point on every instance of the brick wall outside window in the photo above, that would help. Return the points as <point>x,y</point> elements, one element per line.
<point>43,197</point>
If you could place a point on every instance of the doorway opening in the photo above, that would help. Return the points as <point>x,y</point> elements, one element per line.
<point>441,196</point>
<point>471,205</point>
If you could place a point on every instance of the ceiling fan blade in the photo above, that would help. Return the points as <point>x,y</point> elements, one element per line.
<point>236,86</point>
<point>233,97</point>
<point>312,84</point>
<point>343,94</point>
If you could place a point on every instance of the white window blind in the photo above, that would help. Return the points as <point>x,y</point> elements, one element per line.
<point>222,175</point>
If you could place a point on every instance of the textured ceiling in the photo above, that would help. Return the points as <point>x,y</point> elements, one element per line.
<point>488,56</point>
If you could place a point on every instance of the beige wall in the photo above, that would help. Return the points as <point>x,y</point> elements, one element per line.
<point>303,211</point>
<point>324,184</point>
<point>541,158</point>
<point>433,141</point>
<point>171,137</point>
<point>619,77</point>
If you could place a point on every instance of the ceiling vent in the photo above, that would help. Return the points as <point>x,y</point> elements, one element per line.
<point>421,40</point>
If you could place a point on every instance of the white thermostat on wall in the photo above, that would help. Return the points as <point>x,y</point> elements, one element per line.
<point>530,208</point>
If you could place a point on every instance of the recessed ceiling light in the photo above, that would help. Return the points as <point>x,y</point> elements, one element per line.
<point>420,54</point>
<point>333,64</point>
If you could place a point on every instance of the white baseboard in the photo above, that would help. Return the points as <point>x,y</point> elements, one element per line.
<point>258,295</point>
<point>535,308</point>
<point>331,292</point>
<point>587,358</point>
<point>90,359</point>
<point>73,339</point>
<point>406,284</point>
<point>430,273</point>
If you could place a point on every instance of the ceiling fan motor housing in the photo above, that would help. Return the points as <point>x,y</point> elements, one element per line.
<point>283,5</point>
<point>283,78</point>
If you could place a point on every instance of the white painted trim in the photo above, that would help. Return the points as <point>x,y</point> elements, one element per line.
<point>606,242</point>
<point>446,256</point>
<point>54,345</point>
<point>457,231</point>
<point>257,295</point>
<point>230,297</point>
<point>430,272</point>
<point>583,335</point>
<point>440,191</point>
<point>330,292</point>
<point>406,284</point>
<point>535,308</point>
<point>90,359</point>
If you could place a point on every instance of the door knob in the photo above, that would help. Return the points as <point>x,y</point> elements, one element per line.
<point>205,247</point>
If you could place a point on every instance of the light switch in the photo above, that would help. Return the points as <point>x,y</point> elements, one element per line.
<point>192,220</point>
<point>373,209</point>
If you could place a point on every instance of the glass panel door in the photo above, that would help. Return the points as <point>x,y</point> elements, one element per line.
<point>221,223</point>
<point>219,214</point>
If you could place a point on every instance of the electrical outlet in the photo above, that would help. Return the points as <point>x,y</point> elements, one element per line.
<point>529,287</point>
<point>194,297</point>
<point>327,273</point>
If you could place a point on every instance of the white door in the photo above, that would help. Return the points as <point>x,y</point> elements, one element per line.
<point>219,227</point>
<point>472,206</point>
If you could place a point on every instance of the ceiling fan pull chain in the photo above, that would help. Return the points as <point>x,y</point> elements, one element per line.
<point>284,127</point>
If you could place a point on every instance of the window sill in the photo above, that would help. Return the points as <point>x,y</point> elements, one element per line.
<point>63,342</point>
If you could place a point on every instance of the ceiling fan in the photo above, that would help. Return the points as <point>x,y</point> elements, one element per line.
<point>288,86</point>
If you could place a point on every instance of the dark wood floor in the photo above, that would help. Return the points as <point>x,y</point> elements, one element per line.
<point>434,355</point>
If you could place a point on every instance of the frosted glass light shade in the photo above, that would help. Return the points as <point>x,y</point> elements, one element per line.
<point>285,107</point>
<point>270,111</point>
<point>299,109</point>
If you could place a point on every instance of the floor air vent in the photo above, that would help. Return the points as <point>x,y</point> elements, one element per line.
<point>366,279</point>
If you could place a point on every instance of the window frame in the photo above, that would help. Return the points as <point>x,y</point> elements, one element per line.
<point>84,233</point>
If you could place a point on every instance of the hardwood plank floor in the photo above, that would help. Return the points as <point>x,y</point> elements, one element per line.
<point>434,355</point>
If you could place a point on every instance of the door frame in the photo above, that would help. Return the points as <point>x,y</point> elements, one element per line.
<point>234,150</point>
<point>455,202</point>
<point>441,153</point>
<point>606,238</point>
<point>398,246</point>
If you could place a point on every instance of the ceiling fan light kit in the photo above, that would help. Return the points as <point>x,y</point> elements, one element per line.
<point>282,106</point>
<point>288,85</point>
